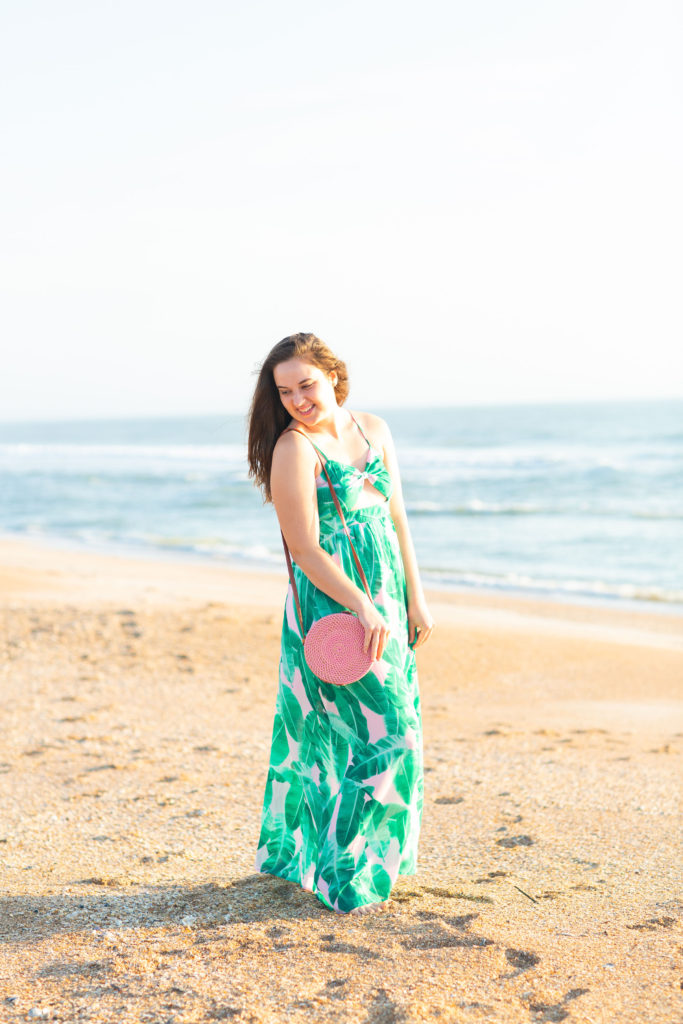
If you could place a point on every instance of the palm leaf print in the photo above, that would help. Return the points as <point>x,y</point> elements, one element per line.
<point>292,717</point>
<point>349,815</point>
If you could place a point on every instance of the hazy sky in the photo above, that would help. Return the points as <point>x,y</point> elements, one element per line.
<point>469,201</point>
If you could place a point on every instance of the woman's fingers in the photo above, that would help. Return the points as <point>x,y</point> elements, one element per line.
<point>377,637</point>
<point>382,643</point>
<point>369,639</point>
<point>420,635</point>
<point>377,644</point>
<point>376,641</point>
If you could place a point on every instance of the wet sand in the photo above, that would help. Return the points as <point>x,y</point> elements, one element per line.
<point>136,718</point>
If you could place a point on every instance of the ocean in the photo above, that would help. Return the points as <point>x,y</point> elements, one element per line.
<point>575,501</point>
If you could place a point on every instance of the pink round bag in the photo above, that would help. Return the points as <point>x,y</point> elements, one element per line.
<point>333,649</point>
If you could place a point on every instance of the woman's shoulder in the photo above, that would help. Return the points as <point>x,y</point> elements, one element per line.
<point>374,426</point>
<point>293,444</point>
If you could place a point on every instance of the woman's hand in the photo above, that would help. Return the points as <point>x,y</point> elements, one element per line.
<point>376,630</point>
<point>420,623</point>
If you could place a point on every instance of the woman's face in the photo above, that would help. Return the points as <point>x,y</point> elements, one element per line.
<point>306,391</point>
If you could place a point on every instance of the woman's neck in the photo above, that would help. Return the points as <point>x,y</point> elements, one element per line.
<point>334,426</point>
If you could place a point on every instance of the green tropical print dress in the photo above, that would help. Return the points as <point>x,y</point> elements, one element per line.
<point>344,791</point>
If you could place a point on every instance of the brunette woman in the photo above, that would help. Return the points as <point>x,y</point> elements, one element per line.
<point>344,791</point>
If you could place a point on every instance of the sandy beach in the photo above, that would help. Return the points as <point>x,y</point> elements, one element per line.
<point>137,711</point>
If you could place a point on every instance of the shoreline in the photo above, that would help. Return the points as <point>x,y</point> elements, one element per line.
<point>554,602</point>
<point>45,573</point>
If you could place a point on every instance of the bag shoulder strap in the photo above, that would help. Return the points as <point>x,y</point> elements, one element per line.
<point>345,527</point>
<point>295,430</point>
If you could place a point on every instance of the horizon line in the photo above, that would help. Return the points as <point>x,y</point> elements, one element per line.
<point>381,408</point>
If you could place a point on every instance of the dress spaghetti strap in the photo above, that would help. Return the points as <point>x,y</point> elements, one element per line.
<point>361,429</point>
<point>295,430</point>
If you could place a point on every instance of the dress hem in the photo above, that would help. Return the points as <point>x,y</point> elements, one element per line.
<point>304,888</point>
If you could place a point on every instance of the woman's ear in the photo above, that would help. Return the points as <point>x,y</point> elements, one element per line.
<point>333,379</point>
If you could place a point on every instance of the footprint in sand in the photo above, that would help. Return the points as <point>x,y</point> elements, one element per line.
<point>435,936</point>
<point>521,959</point>
<point>438,938</point>
<point>454,894</point>
<point>556,1011</point>
<point>333,988</point>
<point>510,841</point>
<point>652,923</point>
<point>331,946</point>
<point>461,921</point>
<point>492,875</point>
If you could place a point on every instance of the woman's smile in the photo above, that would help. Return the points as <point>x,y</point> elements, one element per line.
<point>305,391</point>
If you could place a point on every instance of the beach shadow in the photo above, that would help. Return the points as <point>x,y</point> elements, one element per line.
<point>101,907</point>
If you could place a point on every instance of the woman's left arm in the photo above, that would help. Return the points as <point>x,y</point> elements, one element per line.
<point>419,616</point>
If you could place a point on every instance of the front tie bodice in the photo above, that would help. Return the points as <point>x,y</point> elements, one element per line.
<point>349,482</point>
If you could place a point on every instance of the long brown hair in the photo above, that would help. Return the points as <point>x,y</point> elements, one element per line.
<point>268,416</point>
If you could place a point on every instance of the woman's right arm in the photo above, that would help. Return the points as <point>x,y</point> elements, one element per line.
<point>292,484</point>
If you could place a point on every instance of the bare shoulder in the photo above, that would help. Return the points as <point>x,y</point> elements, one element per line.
<point>291,449</point>
<point>375,427</point>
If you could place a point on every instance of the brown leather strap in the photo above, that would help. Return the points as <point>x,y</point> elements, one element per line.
<point>346,531</point>
<point>294,586</point>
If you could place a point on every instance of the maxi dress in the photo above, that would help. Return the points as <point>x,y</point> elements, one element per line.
<point>344,791</point>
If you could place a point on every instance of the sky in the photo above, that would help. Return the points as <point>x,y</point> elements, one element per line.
<point>469,202</point>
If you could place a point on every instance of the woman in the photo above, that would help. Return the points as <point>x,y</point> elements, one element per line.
<point>343,799</point>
